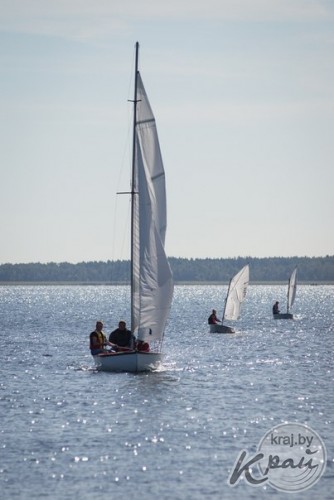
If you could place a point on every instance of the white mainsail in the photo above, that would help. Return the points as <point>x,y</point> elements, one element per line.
<point>236,294</point>
<point>152,280</point>
<point>292,288</point>
<point>151,277</point>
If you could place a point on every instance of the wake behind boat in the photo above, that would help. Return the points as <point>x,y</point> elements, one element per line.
<point>236,294</point>
<point>291,295</point>
<point>151,276</point>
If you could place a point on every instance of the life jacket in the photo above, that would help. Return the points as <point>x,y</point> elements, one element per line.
<point>101,340</point>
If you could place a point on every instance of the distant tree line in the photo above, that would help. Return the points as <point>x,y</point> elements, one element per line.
<point>268,269</point>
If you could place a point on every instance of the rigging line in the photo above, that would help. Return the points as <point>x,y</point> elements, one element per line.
<point>124,235</point>
<point>126,159</point>
<point>113,241</point>
<point>127,148</point>
<point>115,217</point>
<point>126,229</point>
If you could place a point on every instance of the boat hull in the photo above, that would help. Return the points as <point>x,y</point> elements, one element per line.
<point>283,316</point>
<point>128,361</point>
<point>221,329</point>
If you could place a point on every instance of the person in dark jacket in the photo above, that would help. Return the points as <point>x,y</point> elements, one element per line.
<point>122,337</point>
<point>276,308</point>
<point>212,319</point>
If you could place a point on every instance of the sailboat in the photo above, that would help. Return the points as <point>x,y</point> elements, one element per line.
<point>151,276</point>
<point>236,294</point>
<point>291,295</point>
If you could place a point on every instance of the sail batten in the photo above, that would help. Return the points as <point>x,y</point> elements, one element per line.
<point>141,122</point>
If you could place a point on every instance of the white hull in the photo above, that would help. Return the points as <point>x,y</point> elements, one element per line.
<point>221,329</point>
<point>283,316</point>
<point>128,361</point>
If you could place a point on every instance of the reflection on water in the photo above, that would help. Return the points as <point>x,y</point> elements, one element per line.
<point>71,432</point>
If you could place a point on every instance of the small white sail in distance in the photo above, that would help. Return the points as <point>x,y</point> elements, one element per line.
<point>236,294</point>
<point>292,288</point>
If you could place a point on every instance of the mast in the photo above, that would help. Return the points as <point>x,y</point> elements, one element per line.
<point>288,296</point>
<point>228,291</point>
<point>292,288</point>
<point>133,176</point>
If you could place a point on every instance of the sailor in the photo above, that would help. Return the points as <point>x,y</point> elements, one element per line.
<point>122,337</point>
<point>276,308</point>
<point>212,319</point>
<point>142,346</point>
<point>98,340</point>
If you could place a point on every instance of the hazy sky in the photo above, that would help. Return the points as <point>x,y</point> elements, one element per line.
<point>243,95</point>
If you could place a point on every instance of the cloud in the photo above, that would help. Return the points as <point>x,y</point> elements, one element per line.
<point>86,19</point>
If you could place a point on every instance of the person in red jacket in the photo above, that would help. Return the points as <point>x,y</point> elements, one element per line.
<point>142,346</point>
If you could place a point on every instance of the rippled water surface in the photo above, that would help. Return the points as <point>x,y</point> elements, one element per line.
<point>69,432</point>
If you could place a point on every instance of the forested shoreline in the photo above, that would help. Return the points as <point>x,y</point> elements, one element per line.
<point>268,269</point>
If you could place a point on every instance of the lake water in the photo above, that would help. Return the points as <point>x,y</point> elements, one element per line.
<point>70,432</point>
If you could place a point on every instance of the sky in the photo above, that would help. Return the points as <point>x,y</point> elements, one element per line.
<point>243,96</point>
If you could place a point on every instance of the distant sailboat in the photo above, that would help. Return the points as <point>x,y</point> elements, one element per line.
<point>292,288</point>
<point>151,276</point>
<point>236,294</point>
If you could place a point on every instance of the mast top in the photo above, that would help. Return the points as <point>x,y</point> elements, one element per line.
<point>137,56</point>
